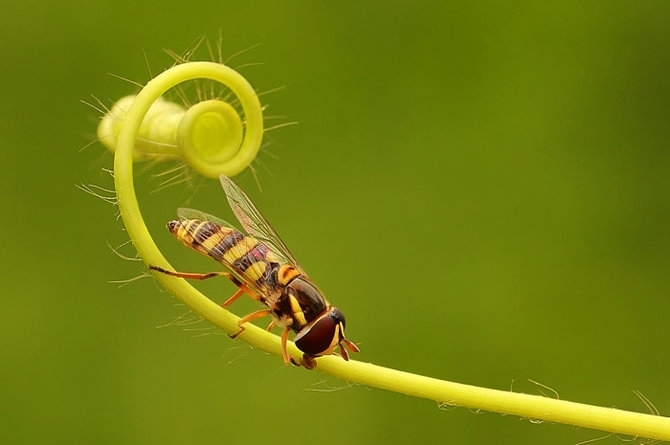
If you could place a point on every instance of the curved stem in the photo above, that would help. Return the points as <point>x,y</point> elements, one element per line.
<point>529,406</point>
<point>505,402</point>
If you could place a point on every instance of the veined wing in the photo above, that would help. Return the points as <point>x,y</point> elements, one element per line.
<point>252,220</point>
<point>186,214</point>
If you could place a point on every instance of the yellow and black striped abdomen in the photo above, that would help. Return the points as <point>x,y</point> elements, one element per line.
<point>244,255</point>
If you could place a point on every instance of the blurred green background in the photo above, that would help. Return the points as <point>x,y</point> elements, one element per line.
<point>481,187</point>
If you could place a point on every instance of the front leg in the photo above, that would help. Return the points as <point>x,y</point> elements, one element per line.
<point>307,360</point>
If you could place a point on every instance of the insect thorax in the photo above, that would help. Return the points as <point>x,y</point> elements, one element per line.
<point>302,300</point>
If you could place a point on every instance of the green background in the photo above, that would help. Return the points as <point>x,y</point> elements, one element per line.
<point>481,187</point>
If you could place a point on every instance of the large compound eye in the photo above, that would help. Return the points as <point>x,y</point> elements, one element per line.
<point>322,336</point>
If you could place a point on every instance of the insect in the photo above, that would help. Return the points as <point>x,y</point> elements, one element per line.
<point>261,265</point>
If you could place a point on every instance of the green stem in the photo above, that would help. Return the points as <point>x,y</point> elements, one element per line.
<point>528,406</point>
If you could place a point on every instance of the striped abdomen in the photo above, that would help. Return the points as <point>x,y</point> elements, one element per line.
<point>244,255</point>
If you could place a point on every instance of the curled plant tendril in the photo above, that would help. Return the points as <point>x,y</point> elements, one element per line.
<point>137,120</point>
<point>205,127</point>
<point>210,136</point>
<point>527,406</point>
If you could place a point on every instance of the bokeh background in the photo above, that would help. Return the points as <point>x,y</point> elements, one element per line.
<point>482,187</point>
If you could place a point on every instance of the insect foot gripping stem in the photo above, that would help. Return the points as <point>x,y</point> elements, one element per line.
<point>213,137</point>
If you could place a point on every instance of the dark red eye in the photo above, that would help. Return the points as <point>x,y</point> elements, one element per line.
<point>320,337</point>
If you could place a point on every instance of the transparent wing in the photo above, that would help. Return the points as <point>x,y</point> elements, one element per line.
<point>252,220</point>
<point>188,214</point>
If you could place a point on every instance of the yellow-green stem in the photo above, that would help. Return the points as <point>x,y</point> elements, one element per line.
<point>528,406</point>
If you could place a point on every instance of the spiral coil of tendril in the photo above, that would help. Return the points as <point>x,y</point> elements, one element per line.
<point>210,136</point>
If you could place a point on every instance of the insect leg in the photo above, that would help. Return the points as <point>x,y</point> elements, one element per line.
<point>191,276</point>
<point>284,339</point>
<point>250,317</point>
<point>238,293</point>
<point>308,361</point>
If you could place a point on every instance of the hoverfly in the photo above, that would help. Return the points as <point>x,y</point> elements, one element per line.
<point>261,265</point>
